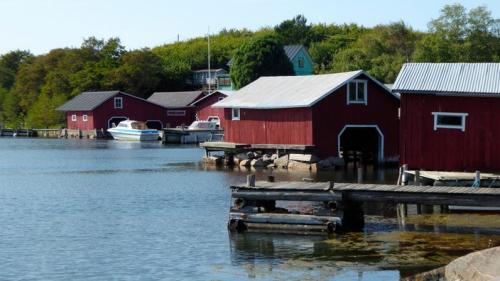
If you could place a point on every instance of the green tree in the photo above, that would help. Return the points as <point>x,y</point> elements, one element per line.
<point>263,56</point>
<point>461,36</point>
<point>9,65</point>
<point>295,31</point>
<point>140,73</point>
<point>43,113</point>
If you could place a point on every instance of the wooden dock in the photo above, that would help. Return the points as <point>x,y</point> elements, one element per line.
<point>427,195</point>
<point>232,148</point>
<point>254,204</point>
<point>441,178</point>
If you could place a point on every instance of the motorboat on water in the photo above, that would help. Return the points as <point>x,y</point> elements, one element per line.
<point>198,131</point>
<point>133,130</point>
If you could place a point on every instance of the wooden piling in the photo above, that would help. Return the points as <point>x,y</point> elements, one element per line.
<point>360,174</point>
<point>477,179</point>
<point>417,180</point>
<point>404,177</point>
<point>251,180</point>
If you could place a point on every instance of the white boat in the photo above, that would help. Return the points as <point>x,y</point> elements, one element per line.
<point>198,131</point>
<point>133,130</point>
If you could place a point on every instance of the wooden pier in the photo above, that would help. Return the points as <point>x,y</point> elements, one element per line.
<point>6,132</point>
<point>232,148</point>
<point>427,195</point>
<point>344,201</point>
<point>441,178</point>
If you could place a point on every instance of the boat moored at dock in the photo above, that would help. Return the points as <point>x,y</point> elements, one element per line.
<point>134,130</point>
<point>197,132</point>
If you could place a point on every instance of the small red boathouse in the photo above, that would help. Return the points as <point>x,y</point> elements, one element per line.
<point>335,113</point>
<point>99,110</point>
<point>450,116</point>
<point>204,108</point>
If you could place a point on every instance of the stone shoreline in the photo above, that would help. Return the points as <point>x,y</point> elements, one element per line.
<point>477,266</point>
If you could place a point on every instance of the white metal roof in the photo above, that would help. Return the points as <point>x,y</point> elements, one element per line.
<point>289,91</point>
<point>449,78</point>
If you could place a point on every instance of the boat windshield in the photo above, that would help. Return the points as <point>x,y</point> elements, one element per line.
<point>202,125</point>
<point>138,125</point>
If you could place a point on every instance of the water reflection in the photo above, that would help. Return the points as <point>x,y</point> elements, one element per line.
<point>381,247</point>
<point>86,209</point>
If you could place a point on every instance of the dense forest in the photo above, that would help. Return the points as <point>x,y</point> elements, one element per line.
<point>31,87</point>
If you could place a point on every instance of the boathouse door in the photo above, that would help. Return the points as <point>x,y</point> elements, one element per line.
<point>115,120</point>
<point>361,142</point>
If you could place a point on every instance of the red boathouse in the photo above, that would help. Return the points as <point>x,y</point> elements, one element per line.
<point>99,110</point>
<point>179,106</point>
<point>336,113</point>
<point>450,116</point>
<point>204,108</point>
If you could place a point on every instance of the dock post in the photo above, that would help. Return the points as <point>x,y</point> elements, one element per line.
<point>402,212</point>
<point>352,214</point>
<point>251,180</point>
<point>360,174</point>
<point>477,179</point>
<point>417,178</point>
<point>404,178</point>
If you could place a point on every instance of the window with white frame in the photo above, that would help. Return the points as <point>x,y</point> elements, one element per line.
<point>176,112</point>
<point>85,118</point>
<point>118,102</point>
<point>449,120</point>
<point>357,92</point>
<point>235,114</point>
<point>73,117</point>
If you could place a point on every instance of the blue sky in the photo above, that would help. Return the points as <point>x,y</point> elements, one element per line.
<point>41,25</point>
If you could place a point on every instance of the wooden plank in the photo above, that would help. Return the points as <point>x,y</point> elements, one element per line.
<point>287,195</point>
<point>283,218</point>
<point>287,228</point>
<point>218,145</point>
<point>297,147</point>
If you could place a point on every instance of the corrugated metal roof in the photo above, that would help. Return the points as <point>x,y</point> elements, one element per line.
<point>175,99</point>
<point>449,78</point>
<point>292,50</point>
<point>224,92</point>
<point>87,101</point>
<point>289,91</point>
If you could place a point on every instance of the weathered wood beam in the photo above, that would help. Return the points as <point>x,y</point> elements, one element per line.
<point>287,195</point>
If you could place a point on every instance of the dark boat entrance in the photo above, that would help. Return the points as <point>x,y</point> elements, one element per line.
<point>363,144</point>
<point>115,120</point>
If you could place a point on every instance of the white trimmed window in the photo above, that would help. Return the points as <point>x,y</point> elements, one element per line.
<point>85,118</point>
<point>235,114</point>
<point>176,112</point>
<point>73,117</point>
<point>449,120</point>
<point>357,92</point>
<point>118,101</point>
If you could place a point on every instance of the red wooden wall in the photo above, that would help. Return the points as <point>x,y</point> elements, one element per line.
<point>319,125</point>
<point>332,114</point>
<point>269,126</point>
<point>204,109</point>
<point>478,148</point>
<point>79,124</point>
<point>133,108</point>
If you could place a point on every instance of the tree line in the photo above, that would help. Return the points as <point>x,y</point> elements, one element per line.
<point>32,87</point>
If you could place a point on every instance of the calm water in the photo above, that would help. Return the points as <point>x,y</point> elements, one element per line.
<point>107,210</point>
